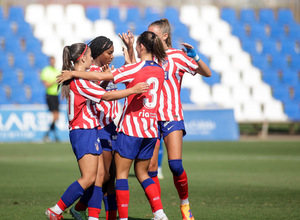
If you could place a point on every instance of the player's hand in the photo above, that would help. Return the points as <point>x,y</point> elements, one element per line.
<point>140,88</point>
<point>126,55</point>
<point>64,76</point>
<point>127,38</point>
<point>189,50</point>
<point>104,68</point>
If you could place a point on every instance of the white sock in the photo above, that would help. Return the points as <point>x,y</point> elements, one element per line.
<point>184,201</point>
<point>57,209</point>
<point>93,218</point>
<point>123,218</point>
<point>159,213</point>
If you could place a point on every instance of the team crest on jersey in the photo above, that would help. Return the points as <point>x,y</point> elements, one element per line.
<point>96,146</point>
<point>164,64</point>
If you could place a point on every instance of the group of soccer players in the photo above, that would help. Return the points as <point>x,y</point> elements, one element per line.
<point>152,109</point>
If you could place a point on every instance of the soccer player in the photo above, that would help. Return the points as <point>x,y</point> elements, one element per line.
<point>138,124</point>
<point>83,122</point>
<point>102,50</point>
<point>170,113</point>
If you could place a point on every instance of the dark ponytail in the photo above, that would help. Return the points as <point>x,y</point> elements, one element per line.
<point>165,27</point>
<point>153,45</point>
<point>71,55</point>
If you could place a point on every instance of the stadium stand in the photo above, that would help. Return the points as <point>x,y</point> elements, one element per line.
<point>254,54</point>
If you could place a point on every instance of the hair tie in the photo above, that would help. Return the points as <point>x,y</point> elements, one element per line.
<point>82,53</point>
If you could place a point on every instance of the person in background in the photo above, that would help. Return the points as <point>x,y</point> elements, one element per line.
<point>48,77</point>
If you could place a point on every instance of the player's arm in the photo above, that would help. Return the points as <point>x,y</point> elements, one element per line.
<point>93,76</point>
<point>128,40</point>
<point>119,94</point>
<point>202,69</point>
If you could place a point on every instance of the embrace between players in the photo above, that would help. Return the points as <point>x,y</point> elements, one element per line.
<point>152,109</point>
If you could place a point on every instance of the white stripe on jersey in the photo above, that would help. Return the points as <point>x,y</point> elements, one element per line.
<point>98,92</point>
<point>87,118</point>
<point>129,125</point>
<point>129,72</point>
<point>144,121</point>
<point>135,121</point>
<point>152,127</point>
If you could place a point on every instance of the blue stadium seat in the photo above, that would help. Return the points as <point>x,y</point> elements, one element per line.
<point>172,14</point>
<point>2,17</point>
<point>292,109</point>
<point>282,93</point>
<point>285,16</point>
<point>3,97</point>
<point>288,48</point>
<point>267,16</point>
<point>247,16</point>
<point>297,93</point>
<point>240,32</point>
<point>118,61</point>
<point>40,60</point>
<point>18,95</point>
<point>296,62</point>
<point>38,97</point>
<point>278,33</point>
<point>16,14</point>
<point>10,77</point>
<point>13,45</point>
<point>33,45</point>
<point>122,27</point>
<point>24,30</point>
<point>270,47</point>
<point>271,77</point>
<point>250,47</point>
<point>151,14</point>
<point>3,59</point>
<point>185,95</point>
<point>258,32</point>
<point>279,62</point>
<point>133,14</point>
<point>229,15</point>
<point>261,62</point>
<point>92,13</point>
<point>113,14</point>
<point>5,29</point>
<point>290,77</point>
<point>294,32</point>
<point>214,79</point>
<point>21,60</point>
<point>31,77</point>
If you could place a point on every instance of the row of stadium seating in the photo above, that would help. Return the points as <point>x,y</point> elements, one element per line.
<point>254,70</point>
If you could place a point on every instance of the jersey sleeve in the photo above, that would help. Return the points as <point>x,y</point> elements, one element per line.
<point>184,62</point>
<point>126,73</point>
<point>89,90</point>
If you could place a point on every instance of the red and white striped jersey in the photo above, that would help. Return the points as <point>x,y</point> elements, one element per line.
<point>107,111</point>
<point>139,117</point>
<point>176,64</point>
<point>81,104</point>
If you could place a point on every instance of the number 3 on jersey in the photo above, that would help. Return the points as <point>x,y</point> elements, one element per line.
<point>151,101</point>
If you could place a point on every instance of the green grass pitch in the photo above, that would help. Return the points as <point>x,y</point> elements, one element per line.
<point>227,181</point>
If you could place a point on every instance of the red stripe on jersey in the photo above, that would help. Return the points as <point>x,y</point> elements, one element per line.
<point>139,118</point>
<point>81,104</point>
<point>107,111</point>
<point>175,66</point>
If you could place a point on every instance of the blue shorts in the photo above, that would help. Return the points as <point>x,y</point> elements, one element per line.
<point>166,127</point>
<point>108,136</point>
<point>85,141</point>
<point>135,147</point>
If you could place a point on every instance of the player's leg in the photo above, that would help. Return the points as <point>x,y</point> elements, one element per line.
<point>109,190</point>
<point>88,165</point>
<point>173,142</point>
<point>160,159</point>
<point>122,188</point>
<point>95,202</point>
<point>152,170</point>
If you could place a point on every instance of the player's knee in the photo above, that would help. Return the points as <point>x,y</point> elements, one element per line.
<point>176,167</point>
